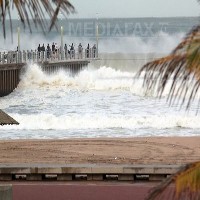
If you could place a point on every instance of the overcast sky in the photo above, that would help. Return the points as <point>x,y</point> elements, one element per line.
<point>133,8</point>
<point>136,8</point>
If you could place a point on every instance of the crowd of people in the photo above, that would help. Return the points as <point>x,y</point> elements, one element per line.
<point>90,52</point>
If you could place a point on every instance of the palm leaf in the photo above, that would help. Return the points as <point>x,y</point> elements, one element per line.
<point>187,181</point>
<point>38,10</point>
<point>182,67</point>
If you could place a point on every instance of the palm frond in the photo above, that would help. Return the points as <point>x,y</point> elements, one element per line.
<point>182,66</point>
<point>39,11</point>
<point>187,181</point>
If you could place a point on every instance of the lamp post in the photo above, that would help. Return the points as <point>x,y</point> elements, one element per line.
<point>18,42</point>
<point>18,38</point>
<point>97,35</point>
<point>61,46</point>
<point>18,34</point>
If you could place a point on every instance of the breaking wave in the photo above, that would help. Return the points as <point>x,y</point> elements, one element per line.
<point>66,122</point>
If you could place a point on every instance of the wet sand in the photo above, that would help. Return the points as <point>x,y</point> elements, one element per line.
<point>151,150</point>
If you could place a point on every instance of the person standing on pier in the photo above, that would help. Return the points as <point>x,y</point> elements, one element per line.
<point>53,50</point>
<point>80,51</point>
<point>53,47</point>
<point>42,51</point>
<point>48,51</point>
<point>94,51</point>
<point>39,50</point>
<point>72,53</point>
<point>65,48</point>
<point>88,51</point>
<point>43,48</point>
<point>56,50</point>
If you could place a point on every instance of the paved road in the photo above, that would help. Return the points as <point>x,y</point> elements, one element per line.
<point>81,191</point>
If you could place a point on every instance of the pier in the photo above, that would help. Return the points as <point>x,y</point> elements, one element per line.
<point>12,62</point>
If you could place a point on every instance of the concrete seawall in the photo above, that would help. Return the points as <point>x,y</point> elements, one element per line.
<point>71,172</point>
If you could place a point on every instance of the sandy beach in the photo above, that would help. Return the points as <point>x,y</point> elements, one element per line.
<point>154,150</point>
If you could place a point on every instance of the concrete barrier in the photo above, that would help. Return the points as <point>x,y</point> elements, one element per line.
<point>91,172</point>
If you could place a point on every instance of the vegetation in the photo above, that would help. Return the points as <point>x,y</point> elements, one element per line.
<point>38,11</point>
<point>180,70</point>
<point>187,185</point>
<point>182,67</point>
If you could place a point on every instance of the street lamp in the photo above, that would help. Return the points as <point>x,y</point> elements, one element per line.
<point>61,38</point>
<point>18,35</point>
<point>97,35</point>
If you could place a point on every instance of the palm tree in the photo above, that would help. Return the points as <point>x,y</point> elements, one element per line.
<point>187,185</point>
<point>182,69</point>
<point>181,66</point>
<point>38,11</point>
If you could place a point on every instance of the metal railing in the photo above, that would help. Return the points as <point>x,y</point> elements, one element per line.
<point>35,56</point>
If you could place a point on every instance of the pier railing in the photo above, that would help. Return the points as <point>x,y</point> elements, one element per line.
<point>34,56</point>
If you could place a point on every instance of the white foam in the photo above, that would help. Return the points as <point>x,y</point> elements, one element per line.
<point>67,122</point>
<point>104,78</point>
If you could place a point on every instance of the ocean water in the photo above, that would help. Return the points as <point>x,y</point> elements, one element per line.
<point>105,99</point>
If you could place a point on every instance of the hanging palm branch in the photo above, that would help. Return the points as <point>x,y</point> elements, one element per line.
<point>37,10</point>
<point>182,67</point>
<point>187,182</point>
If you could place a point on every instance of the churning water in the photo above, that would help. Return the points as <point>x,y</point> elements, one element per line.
<point>103,100</point>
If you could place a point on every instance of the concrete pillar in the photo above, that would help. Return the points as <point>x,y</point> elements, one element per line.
<point>33,56</point>
<point>46,55</point>
<point>6,192</point>
<point>66,52</point>
<point>34,177</point>
<point>6,177</point>
<point>64,177</point>
<point>8,57</point>
<point>95,177</point>
<point>38,56</point>
<point>90,53</point>
<point>42,55</point>
<point>125,177</point>
<point>156,177</point>
<point>3,58</point>
<point>51,55</point>
<point>20,57</point>
<point>24,56</point>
